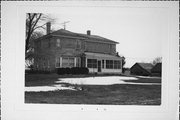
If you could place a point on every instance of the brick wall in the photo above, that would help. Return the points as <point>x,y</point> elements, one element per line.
<point>100,47</point>
<point>47,50</point>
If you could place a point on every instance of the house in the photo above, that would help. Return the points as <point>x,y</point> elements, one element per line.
<point>157,69</point>
<point>143,69</point>
<point>63,48</point>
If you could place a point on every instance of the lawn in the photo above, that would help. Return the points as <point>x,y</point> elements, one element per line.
<point>115,94</point>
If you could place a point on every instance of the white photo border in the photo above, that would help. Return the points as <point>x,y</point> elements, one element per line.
<point>13,45</point>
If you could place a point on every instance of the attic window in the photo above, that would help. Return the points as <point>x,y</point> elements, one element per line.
<point>58,44</point>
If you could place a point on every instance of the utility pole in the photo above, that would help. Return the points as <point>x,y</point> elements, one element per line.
<point>64,24</point>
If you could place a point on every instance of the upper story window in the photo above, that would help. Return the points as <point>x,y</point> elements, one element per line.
<point>78,44</point>
<point>49,43</point>
<point>58,42</point>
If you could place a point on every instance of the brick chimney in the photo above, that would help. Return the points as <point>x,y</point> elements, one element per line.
<point>88,32</point>
<point>48,27</point>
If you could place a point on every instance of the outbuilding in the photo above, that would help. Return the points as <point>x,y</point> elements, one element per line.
<point>157,70</point>
<point>143,69</point>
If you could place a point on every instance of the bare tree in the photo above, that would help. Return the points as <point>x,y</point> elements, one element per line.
<point>35,22</point>
<point>157,60</point>
<point>31,25</point>
<point>123,60</point>
<point>35,25</point>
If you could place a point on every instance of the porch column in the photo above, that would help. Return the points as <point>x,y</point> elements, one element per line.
<point>104,63</point>
<point>60,61</point>
<point>85,62</point>
<point>121,64</point>
<point>75,62</point>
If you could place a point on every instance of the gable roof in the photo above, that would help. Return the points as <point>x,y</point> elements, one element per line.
<point>146,66</point>
<point>67,33</point>
<point>157,68</point>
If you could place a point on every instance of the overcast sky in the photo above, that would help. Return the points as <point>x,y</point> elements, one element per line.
<point>139,31</point>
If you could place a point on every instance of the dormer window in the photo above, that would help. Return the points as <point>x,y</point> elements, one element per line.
<point>58,42</point>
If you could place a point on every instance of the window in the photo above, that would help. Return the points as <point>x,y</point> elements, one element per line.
<point>78,62</point>
<point>39,44</point>
<point>78,44</point>
<point>117,64</point>
<point>58,62</point>
<point>49,43</point>
<point>92,63</point>
<point>48,63</point>
<point>44,44</point>
<point>102,63</point>
<point>109,64</point>
<point>71,62</point>
<point>68,62</point>
<point>58,44</point>
<point>43,62</point>
<point>37,62</point>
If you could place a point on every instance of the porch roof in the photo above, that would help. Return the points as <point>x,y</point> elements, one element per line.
<point>101,56</point>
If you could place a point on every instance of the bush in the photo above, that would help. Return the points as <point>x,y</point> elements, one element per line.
<point>68,70</point>
<point>79,70</point>
<point>85,70</point>
<point>74,70</point>
<point>61,71</point>
<point>37,72</point>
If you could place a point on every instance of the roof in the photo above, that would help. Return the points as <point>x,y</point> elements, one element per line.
<point>101,55</point>
<point>157,68</point>
<point>146,66</point>
<point>66,33</point>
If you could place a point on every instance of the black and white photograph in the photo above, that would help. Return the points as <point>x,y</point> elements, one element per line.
<point>90,60</point>
<point>94,55</point>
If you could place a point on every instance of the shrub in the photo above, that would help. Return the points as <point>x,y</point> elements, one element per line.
<point>79,70</point>
<point>61,71</point>
<point>37,72</point>
<point>74,70</point>
<point>67,70</point>
<point>84,70</point>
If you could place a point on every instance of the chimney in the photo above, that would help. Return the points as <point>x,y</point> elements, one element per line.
<point>48,27</point>
<point>88,32</point>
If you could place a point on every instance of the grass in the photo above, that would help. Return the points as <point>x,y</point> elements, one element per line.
<point>118,94</point>
<point>40,79</point>
<point>50,79</point>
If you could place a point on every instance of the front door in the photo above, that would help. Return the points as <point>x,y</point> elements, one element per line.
<point>99,66</point>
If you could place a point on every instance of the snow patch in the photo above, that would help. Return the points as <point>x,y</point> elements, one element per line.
<point>47,88</point>
<point>109,80</point>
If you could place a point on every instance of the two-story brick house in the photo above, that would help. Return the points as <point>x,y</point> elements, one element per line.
<point>62,48</point>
